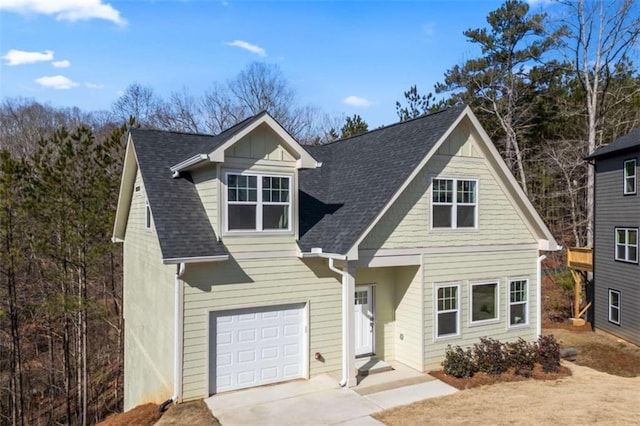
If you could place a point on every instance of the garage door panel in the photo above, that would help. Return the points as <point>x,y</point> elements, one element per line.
<point>253,347</point>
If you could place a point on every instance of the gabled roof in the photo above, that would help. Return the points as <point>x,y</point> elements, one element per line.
<point>628,142</point>
<point>180,220</point>
<point>360,175</point>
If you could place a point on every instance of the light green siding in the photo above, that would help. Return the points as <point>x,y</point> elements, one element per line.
<point>261,144</point>
<point>254,283</point>
<point>408,331</point>
<point>465,268</point>
<point>206,183</point>
<point>408,222</point>
<point>148,311</point>
<point>383,281</point>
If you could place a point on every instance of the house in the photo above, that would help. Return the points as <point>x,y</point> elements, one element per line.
<point>250,259</point>
<point>616,304</point>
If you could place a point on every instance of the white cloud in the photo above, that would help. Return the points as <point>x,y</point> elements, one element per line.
<point>20,57</point>
<point>59,82</point>
<point>248,46</point>
<point>65,10</point>
<point>358,101</point>
<point>534,3</point>
<point>94,86</point>
<point>61,64</point>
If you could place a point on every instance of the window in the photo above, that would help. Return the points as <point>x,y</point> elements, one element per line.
<point>630,177</point>
<point>614,306</point>
<point>518,302</point>
<point>454,203</point>
<point>147,215</point>
<point>447,317</point>
<point>627,244</point>
<point>258,202</point>
<point>484,302</point>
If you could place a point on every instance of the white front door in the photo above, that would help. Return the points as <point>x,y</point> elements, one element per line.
<point>363,320</point>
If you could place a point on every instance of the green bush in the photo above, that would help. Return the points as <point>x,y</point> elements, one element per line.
<point>458,362</point>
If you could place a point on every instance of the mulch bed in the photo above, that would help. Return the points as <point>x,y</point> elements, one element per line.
<point>482,379</point>
<point>142,415</point>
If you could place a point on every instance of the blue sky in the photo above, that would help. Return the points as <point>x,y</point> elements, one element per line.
<point>343,57</point>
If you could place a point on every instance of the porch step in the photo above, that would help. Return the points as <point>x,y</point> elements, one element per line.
<point>367,366</point>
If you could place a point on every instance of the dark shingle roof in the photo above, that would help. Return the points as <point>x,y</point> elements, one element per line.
<point>338,201</point>
<point>359,176</point>
<point>179,217</point>
<point>628,142</point>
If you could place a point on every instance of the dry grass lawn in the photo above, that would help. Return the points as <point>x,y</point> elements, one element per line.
<point>586,397</point>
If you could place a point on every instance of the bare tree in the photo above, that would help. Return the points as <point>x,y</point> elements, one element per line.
<point>182,113</point>
<point>597,37</point>
<point>137,101</point>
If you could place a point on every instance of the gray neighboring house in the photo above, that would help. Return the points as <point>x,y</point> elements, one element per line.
<point>250,259</point>
<point>616,304</point>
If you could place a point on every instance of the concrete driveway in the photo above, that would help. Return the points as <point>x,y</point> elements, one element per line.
<point>321,401</point>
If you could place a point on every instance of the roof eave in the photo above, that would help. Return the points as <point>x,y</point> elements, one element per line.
<point>127,180</point>
<point>189,162</point>
<point>196,259</point>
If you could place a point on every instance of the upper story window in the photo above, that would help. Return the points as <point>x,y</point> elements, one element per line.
<point>147,215</point>
<point>454,203</point>
<point>627,244</point>
<point>258,202</point>
<point>630,177</point>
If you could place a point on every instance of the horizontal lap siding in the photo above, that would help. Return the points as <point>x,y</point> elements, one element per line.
<point>614,209</point>
<point>408,222</point>
<point>207,186</point>
<point>148,310</point>
<point>408,349</point>
<point>465,268</point>
<point>253,283</point>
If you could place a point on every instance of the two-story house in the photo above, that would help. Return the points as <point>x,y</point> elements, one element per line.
<point>250,259</point>
<point>616,304</point>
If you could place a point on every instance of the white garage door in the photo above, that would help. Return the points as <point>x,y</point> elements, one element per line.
<point>257,346</point>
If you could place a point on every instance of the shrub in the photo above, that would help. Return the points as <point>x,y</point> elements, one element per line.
<point>458,362</point>
<point>548,353</point>
<point>522,356</point>
<point>490,357</point>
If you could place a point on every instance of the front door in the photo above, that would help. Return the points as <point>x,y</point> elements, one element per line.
<point>363,320</point>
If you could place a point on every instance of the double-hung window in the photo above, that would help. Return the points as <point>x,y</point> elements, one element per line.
<point>147,215</point>
<point>484,302</point>
<point>258,202</point>
<point>518,302</point>
<point>614,306</point>
<point>448,310</point>
<point>454,203</point>
<point>629,177</point>
<point>627,245</point>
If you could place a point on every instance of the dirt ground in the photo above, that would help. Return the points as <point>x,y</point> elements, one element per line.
<point>604,388</point>
<point>191,413</point>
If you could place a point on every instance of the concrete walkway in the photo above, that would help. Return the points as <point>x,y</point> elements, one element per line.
<point>320,401</point>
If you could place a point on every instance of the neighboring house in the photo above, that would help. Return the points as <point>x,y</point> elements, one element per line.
<point>249,259</point>
<point>616,273</point>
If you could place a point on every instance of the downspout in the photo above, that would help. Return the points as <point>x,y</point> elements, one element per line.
<point>539,296</point>
<point>345,348</point>
<point>177,343</point>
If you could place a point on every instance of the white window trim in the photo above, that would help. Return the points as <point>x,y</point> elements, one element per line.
<point>487,321</point>
<point>454,204</point>
<point>436,312</point>
<point>147,215</point>
<point>625,177</point>
<point>626,245</point>
<point>526,303</point>
<point>609,305</point>
<point>259,203</point>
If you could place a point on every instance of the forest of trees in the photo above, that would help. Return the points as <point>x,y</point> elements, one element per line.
<point>548,90</point>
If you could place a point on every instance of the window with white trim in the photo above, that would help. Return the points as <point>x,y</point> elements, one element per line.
<point>484,302</point>
<point>630,177</point>
<point>614,306</point>
<point>448,310</point>
<point>627,245</point>
<point>454,203</point>
<point>147,215</point>
<point>258,202</point>
<point>518,302</point>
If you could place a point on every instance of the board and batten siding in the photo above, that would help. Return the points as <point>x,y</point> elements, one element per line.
<point>255,283</point>
<point>148,310</point>
<point>407,224</point>
<point>614,209</point>
<point>465,268</point>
